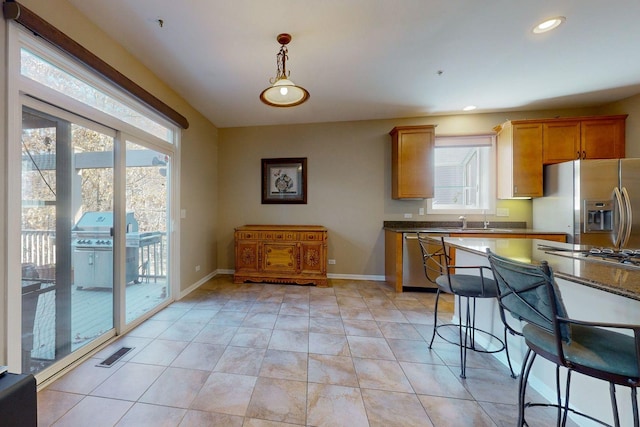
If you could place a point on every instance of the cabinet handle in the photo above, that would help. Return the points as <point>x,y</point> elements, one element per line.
<point>578,157</point>
<point>584,154</point>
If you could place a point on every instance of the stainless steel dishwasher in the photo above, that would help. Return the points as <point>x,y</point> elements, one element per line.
<point>413,278</point>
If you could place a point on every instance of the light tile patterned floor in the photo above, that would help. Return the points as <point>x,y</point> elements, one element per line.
<point>264,355</point>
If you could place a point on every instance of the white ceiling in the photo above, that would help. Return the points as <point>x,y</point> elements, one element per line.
<point>379,59</point>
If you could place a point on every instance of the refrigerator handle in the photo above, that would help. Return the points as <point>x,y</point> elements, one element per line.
<point>621,224</point>
<point>629,216</point>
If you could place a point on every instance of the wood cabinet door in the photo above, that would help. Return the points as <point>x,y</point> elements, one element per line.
<point>603,139</point>
<point>527,160</point>
<point>247,256</point>
<point>312,257</point>
<point>560,141</point>
<point>412,162</point>
<point>280,257</point>
<point>553,237</point>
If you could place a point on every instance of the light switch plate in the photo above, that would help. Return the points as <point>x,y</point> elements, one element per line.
<point>408,215</point>
<point>502,212</point>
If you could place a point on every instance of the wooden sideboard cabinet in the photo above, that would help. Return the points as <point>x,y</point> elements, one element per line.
<point>281,254</point>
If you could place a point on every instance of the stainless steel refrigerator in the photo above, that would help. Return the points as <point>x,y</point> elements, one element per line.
<point>596,202</point>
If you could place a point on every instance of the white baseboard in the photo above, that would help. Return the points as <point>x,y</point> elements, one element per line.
<point>370,277</point>
<point>183,293</point>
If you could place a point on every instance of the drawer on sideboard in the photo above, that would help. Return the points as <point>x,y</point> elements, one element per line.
<point>312,236</point>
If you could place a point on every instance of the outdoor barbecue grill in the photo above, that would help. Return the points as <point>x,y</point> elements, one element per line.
<point>92,240</point>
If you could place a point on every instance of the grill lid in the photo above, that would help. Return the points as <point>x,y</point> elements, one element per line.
<point>103,221</point>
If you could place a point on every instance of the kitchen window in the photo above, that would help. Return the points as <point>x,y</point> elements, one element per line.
<point>464,175</point>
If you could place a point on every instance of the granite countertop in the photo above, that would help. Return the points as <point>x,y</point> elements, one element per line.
<point>619,279</point>
<point>473,227</point>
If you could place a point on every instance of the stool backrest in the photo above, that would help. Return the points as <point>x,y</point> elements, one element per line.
<point>435,259</point>
<point>530,293</point>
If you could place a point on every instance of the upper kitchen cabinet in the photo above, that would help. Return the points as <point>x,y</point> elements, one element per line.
<point>412,162</point>
<point>519,172</point>
<point>560,141</point>
<point>601,137</point>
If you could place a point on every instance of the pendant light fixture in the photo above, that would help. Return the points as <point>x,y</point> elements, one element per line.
<point>283,92</point>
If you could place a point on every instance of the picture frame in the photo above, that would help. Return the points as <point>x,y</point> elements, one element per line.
<point>284,180</point>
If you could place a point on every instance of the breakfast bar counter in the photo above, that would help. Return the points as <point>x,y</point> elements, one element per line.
<point>565,260</point>
<point>592,289</point>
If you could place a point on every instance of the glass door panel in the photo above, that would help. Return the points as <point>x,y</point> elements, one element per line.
<point>66,243</point>
<point>147,195</point>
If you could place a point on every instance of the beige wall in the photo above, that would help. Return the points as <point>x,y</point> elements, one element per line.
<point>630,106</point>
<point>349,182</point>
<point>198,189</point>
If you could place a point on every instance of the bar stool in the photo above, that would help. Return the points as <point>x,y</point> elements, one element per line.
<point>530,294</point>
<point>466,287</point>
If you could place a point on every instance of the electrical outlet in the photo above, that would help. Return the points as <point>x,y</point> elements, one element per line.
<point>197,268</point>
<point>183,213</point>
<point>408,215</point>
<point>502,212</point>
<point>421,211</point>
<point>332,261</point>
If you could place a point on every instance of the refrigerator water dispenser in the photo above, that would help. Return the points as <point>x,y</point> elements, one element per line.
<point>598,216</point>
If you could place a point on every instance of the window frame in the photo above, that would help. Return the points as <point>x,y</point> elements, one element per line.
<point>486,173</point>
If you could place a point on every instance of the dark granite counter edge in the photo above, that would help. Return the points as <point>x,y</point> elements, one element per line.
<point>455,227</point>
<point>596,285</point>
<point>390,225</point>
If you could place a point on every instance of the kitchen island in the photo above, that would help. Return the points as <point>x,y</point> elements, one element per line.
<point>591,290</point>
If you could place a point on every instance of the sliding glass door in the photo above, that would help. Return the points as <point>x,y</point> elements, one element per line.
<point>91,178</point>
<point>147,204</point>
<point>66,240</point>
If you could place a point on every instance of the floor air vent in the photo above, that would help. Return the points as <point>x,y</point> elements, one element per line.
<point>106,363</point>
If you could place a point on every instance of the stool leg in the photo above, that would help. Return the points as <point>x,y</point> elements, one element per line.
<point>506,350</point>
<point>435,318</point>
<point>565,413</point>
<point>472,316</point>
<point>463,342</point>
<point>614,404</point>
<point>634,405</point>
<point>527,363</point>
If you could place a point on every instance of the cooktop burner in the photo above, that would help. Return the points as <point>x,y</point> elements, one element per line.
<point>624,256</point>
<point>630,257</point>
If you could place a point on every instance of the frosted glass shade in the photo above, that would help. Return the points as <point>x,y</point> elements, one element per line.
<point>284,93</point>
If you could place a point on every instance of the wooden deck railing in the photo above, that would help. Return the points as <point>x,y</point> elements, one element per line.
<point>39,252</point>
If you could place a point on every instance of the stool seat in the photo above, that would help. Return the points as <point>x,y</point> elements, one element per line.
<point>596,350</point>
<point>467,285</point>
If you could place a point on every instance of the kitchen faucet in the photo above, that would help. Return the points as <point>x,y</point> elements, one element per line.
<point>464,221</point>
<point>485,222</point>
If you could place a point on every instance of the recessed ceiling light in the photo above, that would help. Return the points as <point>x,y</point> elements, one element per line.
<point>469,108</point>
<point>548,24</point>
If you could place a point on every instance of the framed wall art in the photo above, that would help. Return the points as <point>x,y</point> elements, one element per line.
<point>284,180</point>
